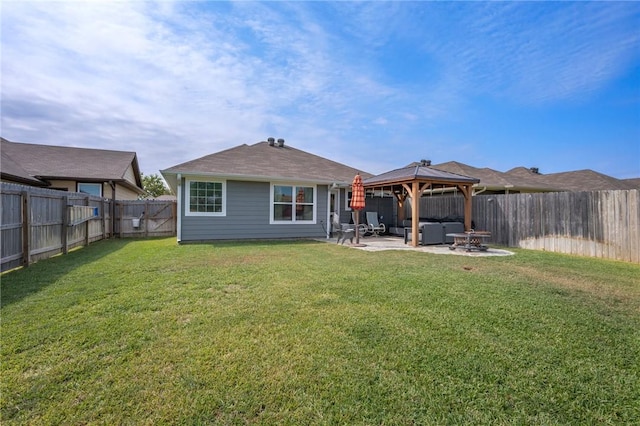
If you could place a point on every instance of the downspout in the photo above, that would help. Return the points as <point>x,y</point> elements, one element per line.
<point>328,222</point>
<point>506,189</point>
<point>479,192</point>
<point>179,214</point>
<point>330,188</point>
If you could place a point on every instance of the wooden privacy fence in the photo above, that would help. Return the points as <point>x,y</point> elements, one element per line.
<point>602,224</point>
<point>145,218</point>
<point>39,223</point>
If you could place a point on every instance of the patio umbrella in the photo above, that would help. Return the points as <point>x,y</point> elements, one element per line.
<point>357,201</point>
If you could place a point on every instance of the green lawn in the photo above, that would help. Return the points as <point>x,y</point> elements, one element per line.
<point>298,333</point>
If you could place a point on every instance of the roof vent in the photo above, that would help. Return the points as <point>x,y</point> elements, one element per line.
<point>280,143</point>
<point>271,141</point>
<point>425,163</point>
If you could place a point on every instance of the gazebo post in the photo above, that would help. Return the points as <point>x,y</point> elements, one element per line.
<point>415,212</point>
<point>466,191</point>
<point>400,199</point>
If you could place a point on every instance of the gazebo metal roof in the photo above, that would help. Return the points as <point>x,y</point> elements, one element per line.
<point>420,172</point>
<point>414,179</point>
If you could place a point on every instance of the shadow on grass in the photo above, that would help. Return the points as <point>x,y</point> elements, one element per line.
<point>273,247</point>
<point>252,243</point>
<point>20,283</point>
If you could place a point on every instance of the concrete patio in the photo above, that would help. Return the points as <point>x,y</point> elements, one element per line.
<point>387,242</point>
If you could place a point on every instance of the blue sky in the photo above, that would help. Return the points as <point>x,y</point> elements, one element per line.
<point>375,85</point>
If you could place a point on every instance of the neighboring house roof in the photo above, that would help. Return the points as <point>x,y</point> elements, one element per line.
<point>493,179</point>
<point>634,182</point>
<point>262,161</point>
<point>12,171</point>
<point>578,180</point>
<point>584,180</point>
<point>528,180</point>
<point>47,162</point>
<point>165,197</point>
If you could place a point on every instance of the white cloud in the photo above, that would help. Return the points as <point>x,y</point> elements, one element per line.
<point>125,76</point>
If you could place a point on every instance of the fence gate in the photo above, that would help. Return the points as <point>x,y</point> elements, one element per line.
<point>145,218</point>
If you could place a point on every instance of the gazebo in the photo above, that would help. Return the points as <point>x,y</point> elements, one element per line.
<point>412,181</point>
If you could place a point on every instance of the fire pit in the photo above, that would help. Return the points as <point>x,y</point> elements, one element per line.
<point>471,240</point>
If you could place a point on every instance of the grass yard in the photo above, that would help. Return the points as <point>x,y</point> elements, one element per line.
<point>306,333</point>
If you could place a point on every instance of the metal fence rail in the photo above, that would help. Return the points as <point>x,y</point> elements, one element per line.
<point>38,223</point>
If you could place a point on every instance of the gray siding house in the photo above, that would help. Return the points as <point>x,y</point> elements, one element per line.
<point>268,190</point>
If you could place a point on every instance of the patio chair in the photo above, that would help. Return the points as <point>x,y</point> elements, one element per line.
<point>373,225</point>
<point>363,228</point>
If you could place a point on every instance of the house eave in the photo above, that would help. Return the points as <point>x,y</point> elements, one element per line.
<point>250,178</point>
<point>120,181</point>
<point>23,180</point>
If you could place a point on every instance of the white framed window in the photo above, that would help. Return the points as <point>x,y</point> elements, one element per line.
<point>293,203</point>
<point>90,188</point>
<point>347,200</point>
<point>205,197</point>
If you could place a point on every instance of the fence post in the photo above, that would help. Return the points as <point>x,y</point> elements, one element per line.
<point>104,220</point>
<point>145,215</point>
<point>121,232</point>
<point>65,224</point>
<point>112,216</point>
<point>26,228</point>
<point>174,212</point>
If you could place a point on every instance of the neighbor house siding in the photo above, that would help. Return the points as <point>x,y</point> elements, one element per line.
<point>69,185</point>
<point>247,216</point>
<point>122,192</point>
<point>130,175</point>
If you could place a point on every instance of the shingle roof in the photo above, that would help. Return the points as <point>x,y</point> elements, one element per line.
<point>494,179</point>
<point>486,175</point>
<point>11,170</point>
<point>584,180</point>
<point>263,162</point>
<point>634,182</point>
<point>578,180</point>
<point>522,178</point>
<point>61,162</point>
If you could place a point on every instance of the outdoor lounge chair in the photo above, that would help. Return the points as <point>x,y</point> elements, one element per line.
<point>373,225</point>
<point>363,228</point>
